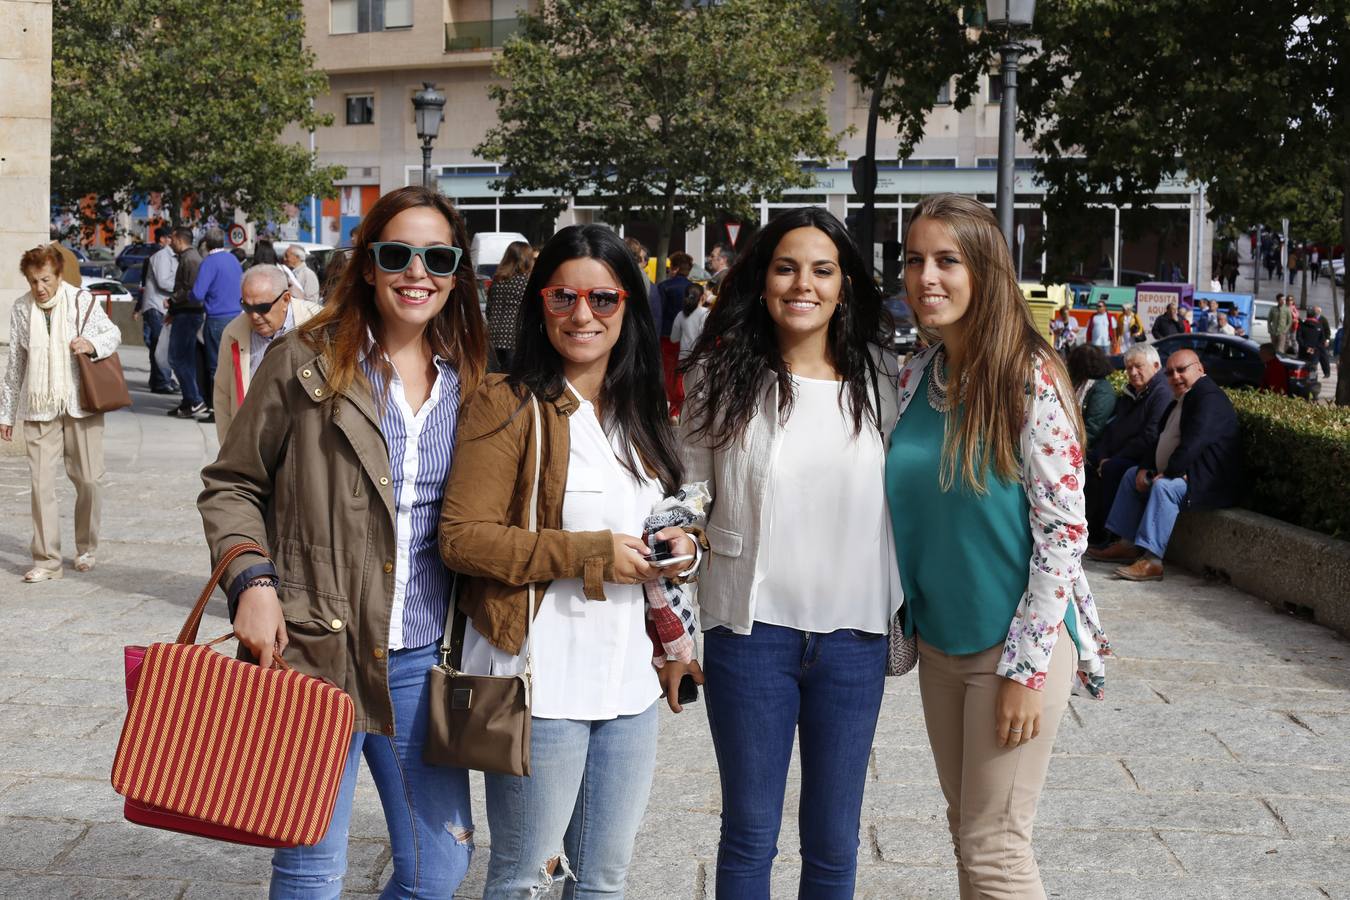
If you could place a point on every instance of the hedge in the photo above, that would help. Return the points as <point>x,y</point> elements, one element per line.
<point>1295,457</point>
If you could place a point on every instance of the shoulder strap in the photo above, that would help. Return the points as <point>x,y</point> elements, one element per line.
<point>88,310</point>
<point>452,641</point>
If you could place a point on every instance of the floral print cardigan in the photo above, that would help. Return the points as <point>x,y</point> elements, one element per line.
<point>1052,476</point>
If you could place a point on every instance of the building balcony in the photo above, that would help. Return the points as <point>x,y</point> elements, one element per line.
<point>484,34</point>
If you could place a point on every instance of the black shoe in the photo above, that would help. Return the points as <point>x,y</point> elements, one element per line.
<point>163,389</point>
<point>184,412</point>
<point>209,418</point>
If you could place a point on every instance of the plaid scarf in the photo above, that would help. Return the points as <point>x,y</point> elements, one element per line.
<point>671,620</point>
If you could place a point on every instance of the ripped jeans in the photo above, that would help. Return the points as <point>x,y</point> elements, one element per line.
<point>426,807</point>
<point>581,805</point>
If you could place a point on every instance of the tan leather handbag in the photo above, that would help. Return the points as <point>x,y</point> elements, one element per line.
<point>103,387</point>
<point>483,721</point>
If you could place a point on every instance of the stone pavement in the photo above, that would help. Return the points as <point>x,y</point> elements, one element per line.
<point>1218,767</point>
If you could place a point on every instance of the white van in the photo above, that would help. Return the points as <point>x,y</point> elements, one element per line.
<point>488,248</point>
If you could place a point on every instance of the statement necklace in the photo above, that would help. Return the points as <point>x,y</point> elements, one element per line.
<point>937,384</point>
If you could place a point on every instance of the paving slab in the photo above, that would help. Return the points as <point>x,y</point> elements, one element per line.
<point>1218,766</point>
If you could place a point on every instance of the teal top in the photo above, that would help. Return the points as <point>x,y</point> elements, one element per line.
<point>964,558</point>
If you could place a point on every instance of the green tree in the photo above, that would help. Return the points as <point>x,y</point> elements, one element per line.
<point>661,109</point>
<point>185,98</point>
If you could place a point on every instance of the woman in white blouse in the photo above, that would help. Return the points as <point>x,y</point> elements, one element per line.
<point>587,354</point>
<point>789,406</point>
<point>47,327</point>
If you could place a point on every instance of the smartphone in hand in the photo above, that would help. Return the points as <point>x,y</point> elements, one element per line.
<point>663,555</point>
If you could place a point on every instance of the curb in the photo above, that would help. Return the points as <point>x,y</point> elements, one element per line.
<point>1299,571</point>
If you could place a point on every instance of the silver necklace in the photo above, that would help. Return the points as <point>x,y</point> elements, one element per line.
<point>938,397</point>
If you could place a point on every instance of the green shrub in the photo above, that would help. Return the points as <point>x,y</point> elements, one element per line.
<point>1296,460</point>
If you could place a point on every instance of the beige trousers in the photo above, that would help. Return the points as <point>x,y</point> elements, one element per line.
<point>80,443</point>
<point>991,791</point>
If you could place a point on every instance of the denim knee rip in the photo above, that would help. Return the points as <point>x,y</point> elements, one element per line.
<point>546,874</point>
<point>463,836</point>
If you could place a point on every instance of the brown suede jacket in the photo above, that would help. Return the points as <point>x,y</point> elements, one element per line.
<point>484,531</point>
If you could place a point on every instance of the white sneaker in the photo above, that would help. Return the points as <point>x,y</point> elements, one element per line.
<point>37,573</point>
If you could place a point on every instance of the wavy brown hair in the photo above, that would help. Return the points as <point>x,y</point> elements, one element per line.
<point>982,432</point>
<point>339,330</point>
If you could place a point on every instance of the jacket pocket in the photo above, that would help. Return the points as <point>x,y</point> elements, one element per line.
<point>584,499</point>
<point>723,542</point>
<point>316,630</point>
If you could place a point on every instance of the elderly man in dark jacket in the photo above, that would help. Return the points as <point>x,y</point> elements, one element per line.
<point>1127,438</point>
<point>1167,324</point>
<point>1194,464</point>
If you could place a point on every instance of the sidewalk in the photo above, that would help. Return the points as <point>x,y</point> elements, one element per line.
<point>1218,766</point>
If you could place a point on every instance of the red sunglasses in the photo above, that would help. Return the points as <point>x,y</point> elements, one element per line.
<point>560,300</point>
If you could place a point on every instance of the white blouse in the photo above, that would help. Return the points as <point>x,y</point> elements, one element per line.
<point>592,658</point>
<point>827,559</point>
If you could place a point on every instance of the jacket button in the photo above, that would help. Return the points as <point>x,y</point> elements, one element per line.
<point>306,373</point>
<point>379,653</point>
<point>318,392</point>
<point>336,623</point>
<point>388,729</point>
<point>383,480</point>
<point>388,567</point>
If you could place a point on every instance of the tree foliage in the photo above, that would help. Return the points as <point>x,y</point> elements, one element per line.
<point>659,108</point>
<point>185,98</point>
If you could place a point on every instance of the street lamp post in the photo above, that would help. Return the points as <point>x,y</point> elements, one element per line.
<point>428,104</point>
<point>1010,15</point>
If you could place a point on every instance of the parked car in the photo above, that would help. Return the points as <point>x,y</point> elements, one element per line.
<point>100,255</point>
<point>132,279</point>
<point>1234,361</point>
<point>904,338</point>
<point>105,289</point>
<point>132,254</point>
<point>1260,330</point>
<point>487,249</point>
<point>93,269</point>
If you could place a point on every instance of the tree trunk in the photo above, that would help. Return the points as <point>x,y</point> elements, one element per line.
<point>664,231</point>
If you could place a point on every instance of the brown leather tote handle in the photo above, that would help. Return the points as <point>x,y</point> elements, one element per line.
<point>188,634</point>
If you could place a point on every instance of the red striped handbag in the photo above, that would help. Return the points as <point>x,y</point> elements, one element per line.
<point>225,749</point>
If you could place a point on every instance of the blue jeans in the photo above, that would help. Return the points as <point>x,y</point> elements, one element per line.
<point>152,323</point>
<point>761,689</point>
<point>582,804</point>
<point>183,354</point>
<point>426,807</point>
<point>1147,519</point>
<point>215,330</point>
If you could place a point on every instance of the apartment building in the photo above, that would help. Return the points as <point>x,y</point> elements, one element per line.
<point>378,53</point>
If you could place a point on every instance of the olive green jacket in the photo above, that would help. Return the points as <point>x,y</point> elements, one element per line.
<point>305,473</point>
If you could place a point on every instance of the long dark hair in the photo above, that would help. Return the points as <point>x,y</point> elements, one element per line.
<point>739,342</point>
<point>264,253</point>
<point>631,398</point>
<point>339,330</point>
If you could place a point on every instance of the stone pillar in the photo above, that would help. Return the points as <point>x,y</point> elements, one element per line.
<point>25,140</point>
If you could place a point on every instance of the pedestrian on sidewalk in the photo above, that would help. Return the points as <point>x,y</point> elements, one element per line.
<point>184,318</point>
<point>685,331</point>
<point>337,465</point>
<point>216,288</point>
<point>583,386</point>
<point>1313,340</point>
<point>156,289</point>
<point>47,327</point>
<point>1194,464</point>
<point>1315,263</point>
<point>790,406</point>
<point>1101,330</point>
<point>672,301</point>
<point>1167,324</point>
<point>296,260</point>
<point>1278,322</point>
<point>503,301</point>
<point>985,478</point>
<point>269,312</point>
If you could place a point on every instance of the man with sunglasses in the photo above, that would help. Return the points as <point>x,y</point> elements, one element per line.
<point>1194,464</point>
<point>268,313</point>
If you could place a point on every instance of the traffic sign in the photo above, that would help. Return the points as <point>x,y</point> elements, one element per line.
<point>733,232</point>
<point>864,175</point>
<point>238,234</point>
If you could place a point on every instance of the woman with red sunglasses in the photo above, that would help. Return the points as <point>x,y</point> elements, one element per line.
<point>585,387</point>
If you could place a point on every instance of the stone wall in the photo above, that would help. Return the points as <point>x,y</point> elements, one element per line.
<point>25,140</point>
<point>1294,569</point>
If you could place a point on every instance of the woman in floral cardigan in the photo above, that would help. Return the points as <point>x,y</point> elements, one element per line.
<point>984,477</point>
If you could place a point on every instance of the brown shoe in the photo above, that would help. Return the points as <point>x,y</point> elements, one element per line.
<point>1142,570</point>
<point>1117,552</point>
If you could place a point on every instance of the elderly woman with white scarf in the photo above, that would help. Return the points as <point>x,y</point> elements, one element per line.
<point>42,390</point>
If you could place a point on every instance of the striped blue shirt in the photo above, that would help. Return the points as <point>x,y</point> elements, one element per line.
<point>421,448</point>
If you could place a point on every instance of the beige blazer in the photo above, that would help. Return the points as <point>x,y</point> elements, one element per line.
<point>738,478</point>
<point>231,384</point>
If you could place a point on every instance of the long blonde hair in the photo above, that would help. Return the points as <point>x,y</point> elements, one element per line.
<point>1004,347</point>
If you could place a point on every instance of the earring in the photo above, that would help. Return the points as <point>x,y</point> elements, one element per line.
<point>762,301</point>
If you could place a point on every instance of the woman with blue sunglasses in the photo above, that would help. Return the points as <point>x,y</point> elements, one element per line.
<point>336,464</point>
